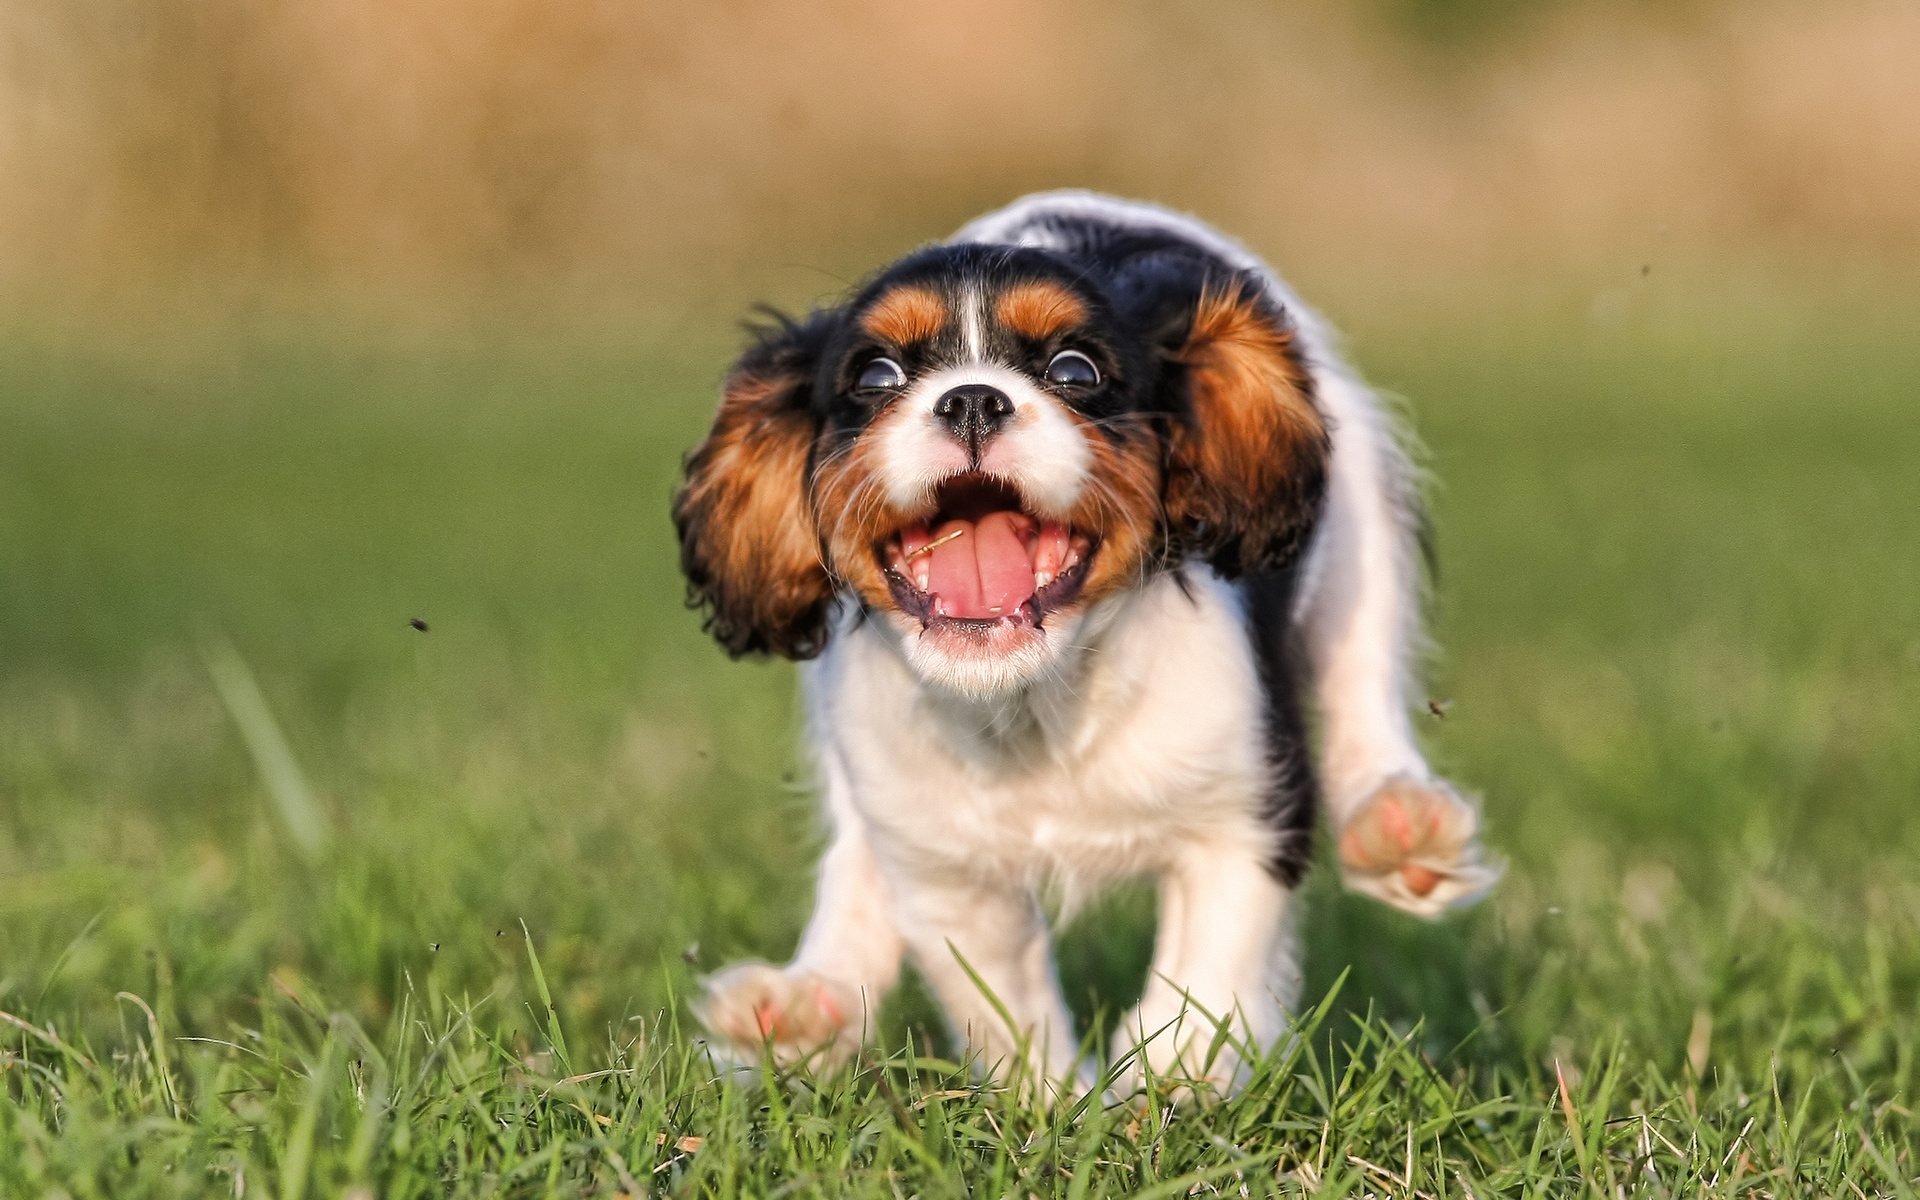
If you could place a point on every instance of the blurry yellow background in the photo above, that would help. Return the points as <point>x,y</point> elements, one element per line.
<point>574,155</point>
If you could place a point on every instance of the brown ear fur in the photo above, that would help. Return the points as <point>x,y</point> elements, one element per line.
<point>1247,467</point>
<point>748,544</point>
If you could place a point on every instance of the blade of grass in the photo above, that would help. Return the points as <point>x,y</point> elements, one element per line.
<point>159,1051</point>
<point>299,1156</point>
<point>292,799</point>
<point>557,1038</point>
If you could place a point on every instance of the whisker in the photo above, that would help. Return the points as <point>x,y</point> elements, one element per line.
<point>860,506</point>
<point>1118,419</point>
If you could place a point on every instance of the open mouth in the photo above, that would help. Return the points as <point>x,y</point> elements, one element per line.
<point>983,560</point>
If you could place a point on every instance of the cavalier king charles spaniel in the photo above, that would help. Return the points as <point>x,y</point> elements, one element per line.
<point>1067,515</point>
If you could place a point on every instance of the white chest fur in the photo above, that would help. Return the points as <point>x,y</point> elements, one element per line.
<point>1149,739</point>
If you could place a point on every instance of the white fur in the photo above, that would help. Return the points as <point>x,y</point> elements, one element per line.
<point>1133,746</point>
<point>1141,753</point>
<point>970,320</point>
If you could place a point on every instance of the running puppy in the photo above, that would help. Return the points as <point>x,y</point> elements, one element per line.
<point>1066,512</point>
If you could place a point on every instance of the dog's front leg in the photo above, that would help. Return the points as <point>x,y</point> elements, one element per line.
<point>1224,961</point>
<point>960,929</point>
<point>826,1001</point>
<point>1405,835</point>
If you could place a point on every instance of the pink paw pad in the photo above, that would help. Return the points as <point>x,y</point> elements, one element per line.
<point>753,1005</point>
<point>1412,845</point>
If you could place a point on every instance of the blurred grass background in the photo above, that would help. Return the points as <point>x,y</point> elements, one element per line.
<point>321,317</point>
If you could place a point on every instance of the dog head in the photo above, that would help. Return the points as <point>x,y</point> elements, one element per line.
<point>986,442</point>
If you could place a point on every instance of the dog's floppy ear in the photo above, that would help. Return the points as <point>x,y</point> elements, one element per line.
<point>748,542</point>
<point>1247,450</point>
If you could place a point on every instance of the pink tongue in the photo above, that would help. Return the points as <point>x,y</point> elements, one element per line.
<point>986,572</point>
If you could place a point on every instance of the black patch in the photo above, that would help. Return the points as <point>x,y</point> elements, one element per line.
<point>1293,792</point>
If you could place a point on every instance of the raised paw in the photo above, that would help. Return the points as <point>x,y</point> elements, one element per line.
<point>1412,845</point>
<point>753,1005</point>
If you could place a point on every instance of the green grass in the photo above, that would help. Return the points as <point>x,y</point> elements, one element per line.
<point>1680,610</point>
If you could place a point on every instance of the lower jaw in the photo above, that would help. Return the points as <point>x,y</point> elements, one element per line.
<point>982,636</point>
<point>978,660</point>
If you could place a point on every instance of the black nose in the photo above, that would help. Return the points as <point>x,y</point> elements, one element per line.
<point>974,412</point>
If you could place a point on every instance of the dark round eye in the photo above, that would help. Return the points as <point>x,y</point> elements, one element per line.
<point>1070,368</point>
<point>882,374</point>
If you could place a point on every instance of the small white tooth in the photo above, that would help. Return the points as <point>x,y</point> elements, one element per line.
<point>1042,578</point>
<point>921,576</point>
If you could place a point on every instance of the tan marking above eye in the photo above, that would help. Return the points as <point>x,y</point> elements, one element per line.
<point>906,315</point>
<point>1039,310</point>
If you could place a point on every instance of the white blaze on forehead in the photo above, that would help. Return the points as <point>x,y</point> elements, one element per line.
<point>1041,449</point>
<point>970,304</point>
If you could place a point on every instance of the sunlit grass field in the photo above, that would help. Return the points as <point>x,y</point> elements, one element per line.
<point>1679,621</point>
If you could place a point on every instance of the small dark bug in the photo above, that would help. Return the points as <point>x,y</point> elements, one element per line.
<point>418,623</point>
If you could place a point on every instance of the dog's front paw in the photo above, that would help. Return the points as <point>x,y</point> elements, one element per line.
<point>753,1005</point>
<point>1412,844</point>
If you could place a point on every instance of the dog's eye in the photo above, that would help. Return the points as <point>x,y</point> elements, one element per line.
<point>1070,368</point>
<point>882,374</point>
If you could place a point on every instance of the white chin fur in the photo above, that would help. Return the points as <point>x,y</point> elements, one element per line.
<point>981,667</point>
